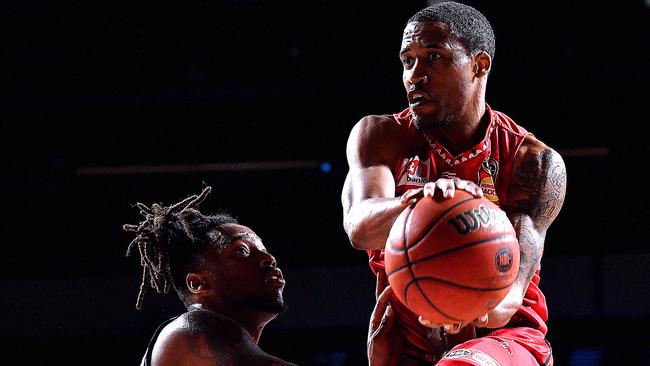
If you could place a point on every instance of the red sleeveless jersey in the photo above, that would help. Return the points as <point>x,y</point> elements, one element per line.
<point>489,165</point>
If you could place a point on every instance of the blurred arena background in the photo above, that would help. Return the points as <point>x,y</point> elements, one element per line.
<point>109,103</point>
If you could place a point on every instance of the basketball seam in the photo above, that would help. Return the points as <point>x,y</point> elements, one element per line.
<point>448,251</point>
<point>431,226</point>
<point>437,220</point>
<point>405,243</point>
<point>460,285</point>
<point>417,284</point>
<point>407,223</point>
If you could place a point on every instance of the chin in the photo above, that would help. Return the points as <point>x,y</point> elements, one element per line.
<point>421,123</point>
<point>426,123</point>
<point>273,304</point>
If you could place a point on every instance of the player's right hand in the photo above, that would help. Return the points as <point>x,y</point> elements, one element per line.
<point>448,187</point>
<point>385,344</point>
<point>412,196</point>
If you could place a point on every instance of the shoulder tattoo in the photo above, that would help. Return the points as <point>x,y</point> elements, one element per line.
<point>540,183</point>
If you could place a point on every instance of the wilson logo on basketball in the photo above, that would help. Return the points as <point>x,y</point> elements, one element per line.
<point>503,259</point>
<point>473,219</point>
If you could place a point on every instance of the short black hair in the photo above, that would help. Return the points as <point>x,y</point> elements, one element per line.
<point>171,241</point>
<point>467,24</point>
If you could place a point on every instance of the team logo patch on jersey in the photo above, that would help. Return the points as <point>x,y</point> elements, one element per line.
<point>487,177</point>
<point>417,172</point>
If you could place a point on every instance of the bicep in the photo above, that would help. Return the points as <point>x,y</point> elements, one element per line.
<point>535,199</point>
<point>537,188</point>
<point>371,151</point>
<point>367,182</point>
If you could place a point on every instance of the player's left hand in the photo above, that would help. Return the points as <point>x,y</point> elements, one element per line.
<point>495,318</point>
<point>448,187</point>
<point>455,328</point>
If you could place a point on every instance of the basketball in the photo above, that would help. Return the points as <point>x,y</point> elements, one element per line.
<point>452,260</point>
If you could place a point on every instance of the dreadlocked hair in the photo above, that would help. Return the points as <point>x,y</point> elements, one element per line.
<point>169,240</point>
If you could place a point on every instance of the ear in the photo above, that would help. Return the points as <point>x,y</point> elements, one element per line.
<point>196,283</point>
<point>482,64</point>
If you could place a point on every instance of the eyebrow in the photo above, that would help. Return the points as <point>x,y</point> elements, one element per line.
<point>427,45</point>
<point>246,236</point>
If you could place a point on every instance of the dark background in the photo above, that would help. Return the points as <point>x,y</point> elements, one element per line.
<point>129,85</point>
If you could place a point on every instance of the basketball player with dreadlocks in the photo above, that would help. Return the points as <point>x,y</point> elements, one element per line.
<point>228,281</point>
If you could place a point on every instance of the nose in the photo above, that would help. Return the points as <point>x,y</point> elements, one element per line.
<point>268,260</point>
<point>416,74</point>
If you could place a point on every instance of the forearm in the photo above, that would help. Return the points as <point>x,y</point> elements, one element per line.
<point>500,316</point>
<point>368,222</point>
<point>531,244</point>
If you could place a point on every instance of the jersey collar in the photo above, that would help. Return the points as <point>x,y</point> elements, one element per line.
<point>478,149</point>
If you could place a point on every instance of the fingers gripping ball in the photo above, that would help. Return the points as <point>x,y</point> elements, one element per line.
<point>452,260</point>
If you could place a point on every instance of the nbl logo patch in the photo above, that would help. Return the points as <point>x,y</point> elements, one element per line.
<point>487,176</point>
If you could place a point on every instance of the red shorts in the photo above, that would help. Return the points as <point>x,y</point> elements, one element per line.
<point>499,348</point>
<point>503,347</point>
<point>517,345</point>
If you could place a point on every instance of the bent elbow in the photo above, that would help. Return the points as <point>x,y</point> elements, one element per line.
<point>355,235</point>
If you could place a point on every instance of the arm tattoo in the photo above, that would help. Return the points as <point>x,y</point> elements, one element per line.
<point>540,182</point>
<point>538,185</point>
<point>530,245</point>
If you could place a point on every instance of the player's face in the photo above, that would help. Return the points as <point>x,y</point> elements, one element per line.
<point>246,275</point>
<point>437,74</point>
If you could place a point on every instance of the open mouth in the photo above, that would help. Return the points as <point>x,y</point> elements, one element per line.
<point>275,277</point>
<point>417,100</point>
<point>417,97</point>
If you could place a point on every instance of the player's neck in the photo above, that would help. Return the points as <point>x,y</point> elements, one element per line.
<point>466,131</point>
<point>255,329</point>
<point>251,320</point>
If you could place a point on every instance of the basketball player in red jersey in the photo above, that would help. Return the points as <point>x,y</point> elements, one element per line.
<point>448,139</point>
